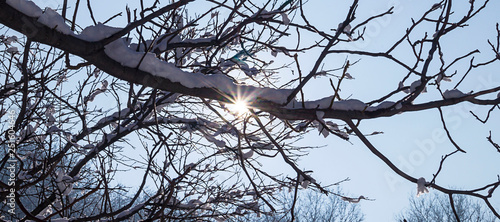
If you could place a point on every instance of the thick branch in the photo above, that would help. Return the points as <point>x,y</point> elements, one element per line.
<point>94,53</point>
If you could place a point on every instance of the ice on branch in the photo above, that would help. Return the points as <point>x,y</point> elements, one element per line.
<point>243,67</point>
<point>23,175</point>
<point>29,131</point>
<point>46,211</point>
<point>421,189</point>
<point>305,184</point>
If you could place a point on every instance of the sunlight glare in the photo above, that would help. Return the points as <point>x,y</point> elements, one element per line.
<point>239,107</point>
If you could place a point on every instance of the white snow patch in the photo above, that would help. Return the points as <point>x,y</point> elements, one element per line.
<point>12,50</point>
<point>442,77</point>
<point>351,104</point>
<point>189,166</point>
<point>421,189</point>
<point>247,155</point>
<point>128,211</point>
<point>320,115</point>
<point>324,103</point>
<point>28,8</point>
<point>332,125</point>
<point>265,14</point>
<point>347,28</point>
<point>120,52</point>
<point>218,143</point>
<point>382,105</point>
<point>115,116</point>
<point>262,146</point>
<point>53,20</point>
<point>416,84</point>
<point>10,40</point>
<point>454,93</point>
<point>305,184</point>
<point>323,131</point>
<point>97,32</point>
<point>321,123</point>
<point>284,18</point>
<point>23,175</point>
<point>348,76</point>
<point>401,85</point>
<point>64,183</point>
<point>198,40</point>
<point>64,219</point>
<point>274,53</point>
<point>53,129</point>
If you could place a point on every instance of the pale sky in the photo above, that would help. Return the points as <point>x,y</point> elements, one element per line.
<point>413,141</point>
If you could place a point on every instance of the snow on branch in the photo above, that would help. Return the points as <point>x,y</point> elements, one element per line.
<point>421,189</point>
<point>121,61</point>
<point>120,52</point>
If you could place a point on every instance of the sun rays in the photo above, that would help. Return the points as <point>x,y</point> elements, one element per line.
<point>238,108</point>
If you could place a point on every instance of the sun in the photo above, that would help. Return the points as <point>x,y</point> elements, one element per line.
<point>239,107</point>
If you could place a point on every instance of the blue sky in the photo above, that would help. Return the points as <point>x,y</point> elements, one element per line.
<point>413,141</point>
